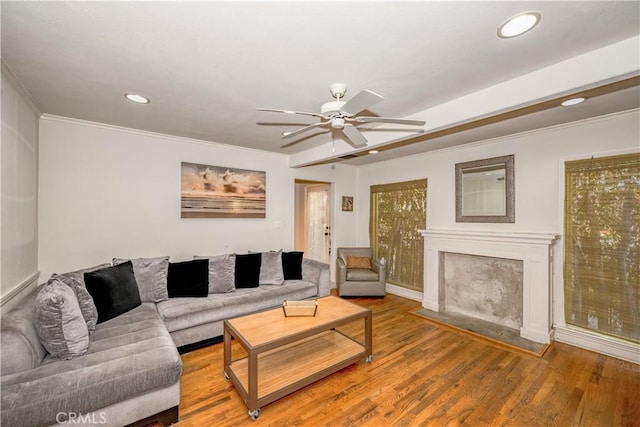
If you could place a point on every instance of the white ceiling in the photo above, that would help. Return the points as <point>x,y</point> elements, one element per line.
<point>207,65</point>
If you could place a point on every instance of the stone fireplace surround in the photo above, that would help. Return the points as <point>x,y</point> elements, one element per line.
<point>534,249</point>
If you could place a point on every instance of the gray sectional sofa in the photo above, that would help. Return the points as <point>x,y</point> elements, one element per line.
<point>131,371</point>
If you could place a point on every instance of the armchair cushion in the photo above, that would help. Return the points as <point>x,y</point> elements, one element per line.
<point>361,275</point>
<point>361,262</point>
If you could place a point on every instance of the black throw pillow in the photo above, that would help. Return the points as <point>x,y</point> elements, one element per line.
<point>188,278</point>
<point>248,270</point>
<point>114,290</point>
<point>292,265</point>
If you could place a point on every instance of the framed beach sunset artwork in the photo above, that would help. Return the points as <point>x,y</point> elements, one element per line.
<point>221,192</point>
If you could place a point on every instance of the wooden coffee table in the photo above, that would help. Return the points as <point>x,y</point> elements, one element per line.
<point>284,354</point>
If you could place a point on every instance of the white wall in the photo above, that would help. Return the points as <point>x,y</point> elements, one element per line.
<point>19,183</point>
<point>113,192</point>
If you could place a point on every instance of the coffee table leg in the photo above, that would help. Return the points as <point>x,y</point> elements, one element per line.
<point>227,351</point>
<point>253,386</point>
<point>368,336</point>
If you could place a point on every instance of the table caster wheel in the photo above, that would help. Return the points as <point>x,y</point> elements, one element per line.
<point>254,414</point>
<point>226,376</point>
<point>369,358</point>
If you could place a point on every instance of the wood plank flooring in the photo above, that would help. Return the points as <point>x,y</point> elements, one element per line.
<point>424,375</point>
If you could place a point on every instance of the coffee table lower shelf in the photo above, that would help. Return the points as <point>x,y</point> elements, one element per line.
<point>285,369</point>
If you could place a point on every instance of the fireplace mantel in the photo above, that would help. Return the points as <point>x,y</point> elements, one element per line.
<point>535,251</point>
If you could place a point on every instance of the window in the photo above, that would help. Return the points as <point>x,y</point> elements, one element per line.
<point>602,245</point>
<point>398,211</point>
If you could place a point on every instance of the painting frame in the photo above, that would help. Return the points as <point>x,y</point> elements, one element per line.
<point>208,191</point>
<point>347,203</point>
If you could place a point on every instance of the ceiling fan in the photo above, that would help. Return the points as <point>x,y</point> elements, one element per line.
<point>342,115</point>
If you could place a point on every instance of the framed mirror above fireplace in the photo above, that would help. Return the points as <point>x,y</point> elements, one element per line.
<point>485,190</point>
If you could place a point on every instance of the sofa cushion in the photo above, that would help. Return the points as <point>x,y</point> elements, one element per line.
<point>59,323</point>
<point>85,301</point>
<point>129,356</point>
<point>271,272</point>
<point>221,273</point>
<point>362,274</point>
<point>358,262</point>
<point>188,278</point>
<point>114,290</point>
<point>247,270</point>
<point>151,276</point>
<point>183,313</point>
<point>292,265</point>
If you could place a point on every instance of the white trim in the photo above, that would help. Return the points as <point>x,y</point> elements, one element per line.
<point>493,236</point>
<point>6,298</point>
<point>599,343</point>
<point>98,125</point>
<point>404,292</point>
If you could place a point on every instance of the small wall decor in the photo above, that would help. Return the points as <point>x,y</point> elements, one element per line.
<point>221,192</point>
<point>347,203</point>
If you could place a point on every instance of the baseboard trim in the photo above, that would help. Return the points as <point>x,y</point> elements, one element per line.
<point>599,343</point>
<point>404,292</point>
<point>6,298</point>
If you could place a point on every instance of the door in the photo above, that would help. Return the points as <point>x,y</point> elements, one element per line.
<point>313,219</point>
<point>317,222</point>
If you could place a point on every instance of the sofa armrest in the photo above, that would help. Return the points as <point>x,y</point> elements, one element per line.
<point>341,273</point>
<point>381,269</point>
<point>319,273</point>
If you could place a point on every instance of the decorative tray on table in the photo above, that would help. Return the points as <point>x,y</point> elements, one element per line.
<point>300,308</point>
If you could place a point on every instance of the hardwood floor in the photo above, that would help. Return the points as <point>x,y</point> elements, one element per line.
<point>422,374</point>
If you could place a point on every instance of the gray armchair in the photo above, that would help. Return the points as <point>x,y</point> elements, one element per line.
<point>355,282</point>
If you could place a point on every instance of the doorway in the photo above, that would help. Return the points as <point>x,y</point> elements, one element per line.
<point>313,219</point>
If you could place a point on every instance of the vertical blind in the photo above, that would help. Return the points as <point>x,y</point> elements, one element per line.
<point>397,212</point>
<point>602,245</point>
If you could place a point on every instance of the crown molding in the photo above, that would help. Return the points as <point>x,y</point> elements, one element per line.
<point>133,131</point>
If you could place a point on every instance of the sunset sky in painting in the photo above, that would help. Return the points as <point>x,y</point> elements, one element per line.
<point>215,181</point>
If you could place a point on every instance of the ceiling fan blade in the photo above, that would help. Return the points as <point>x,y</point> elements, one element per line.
<point>361,101</point>
<point>303,113</point>
<point>389,120</point>
<point>357,139</point>
<point>304,129</point>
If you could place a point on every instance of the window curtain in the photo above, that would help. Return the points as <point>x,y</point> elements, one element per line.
<point>602,245</point>
<point>397,212</point>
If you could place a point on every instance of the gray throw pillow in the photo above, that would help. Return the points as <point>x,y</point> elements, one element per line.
<point>271,272</point>
<point>151,276</point>
<point>59,322</point>
<point>79,274</point>
<point>221,273</point>
<point>87,306</point>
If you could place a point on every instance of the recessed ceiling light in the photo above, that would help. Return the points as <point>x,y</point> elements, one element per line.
<point>572,101</point>
<point>134,97</point>
<point>373,151</point>
<point>518,24</point>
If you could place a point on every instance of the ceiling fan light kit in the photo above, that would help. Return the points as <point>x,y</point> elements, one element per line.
<point>342,115</point>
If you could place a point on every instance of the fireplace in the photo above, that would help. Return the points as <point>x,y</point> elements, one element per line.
<point>534,250</point>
